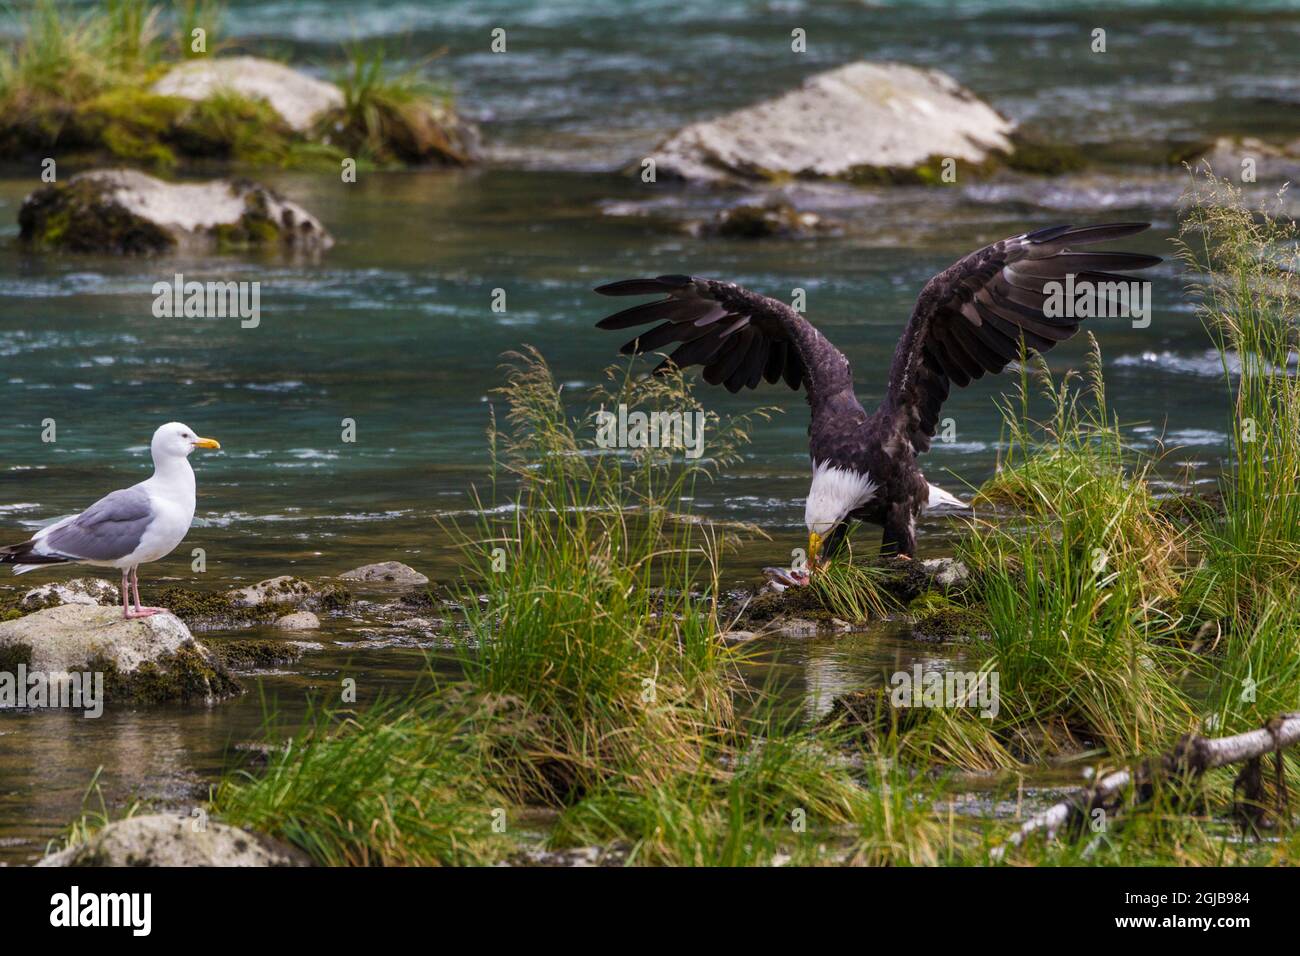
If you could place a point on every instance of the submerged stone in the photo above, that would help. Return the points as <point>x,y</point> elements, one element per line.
<point>762,221</point>
<point>128,212</point>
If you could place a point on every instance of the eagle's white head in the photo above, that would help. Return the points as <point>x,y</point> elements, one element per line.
<point>834,494</point>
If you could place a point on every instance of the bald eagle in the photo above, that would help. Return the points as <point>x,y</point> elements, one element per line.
<point>969,319</point>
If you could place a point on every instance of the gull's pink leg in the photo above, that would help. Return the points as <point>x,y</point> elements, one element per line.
<point>126,594</point>
<point>135,591</point>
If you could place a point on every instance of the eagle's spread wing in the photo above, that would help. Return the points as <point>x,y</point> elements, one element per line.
<point>971,318</point>
<point>740,337</point>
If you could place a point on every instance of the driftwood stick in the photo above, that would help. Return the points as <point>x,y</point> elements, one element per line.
<point>1192,756</point>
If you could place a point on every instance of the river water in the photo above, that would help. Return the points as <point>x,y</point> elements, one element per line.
<point>394,328</point>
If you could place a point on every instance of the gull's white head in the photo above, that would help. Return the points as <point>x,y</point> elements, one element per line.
<point>175,440</point>
<point>835,493</point>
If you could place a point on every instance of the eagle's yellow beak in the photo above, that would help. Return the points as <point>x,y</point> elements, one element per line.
<point>814,549</point>
<point>206,443</point>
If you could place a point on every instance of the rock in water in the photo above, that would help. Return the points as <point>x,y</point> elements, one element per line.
<point>386,572</point>
<point>173,839</point>
<point>946,573</point>
<point>762,221</point>
<point>1269,161</point>
<point>298,621</point>
<point>145,660</point>
<point>861,122</point>
<point>285,589</point>
<point>299,99</point>
<point>128,212</point>
<point>414,130</point>
<point>76,591</point>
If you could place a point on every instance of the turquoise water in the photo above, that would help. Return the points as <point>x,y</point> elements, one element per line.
<point>394,327</point>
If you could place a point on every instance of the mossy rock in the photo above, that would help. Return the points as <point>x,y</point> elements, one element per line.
<point>414,131</point>
<point>762,221</point>
<point>252,655</point>
<point>333,597</point>
<point>185,675</point>
<point>133,125</point>
<point>142,660</point>
<point>903,579</point>
<point>77,217</point>
<point>798,602</point>
<point>936,618</point>
<point>211,608</point>
<point>1041,158</point>
<point>126,212</point>
<point>872,715</point>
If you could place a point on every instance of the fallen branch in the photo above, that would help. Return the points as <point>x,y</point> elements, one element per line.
<point>1190,758</point>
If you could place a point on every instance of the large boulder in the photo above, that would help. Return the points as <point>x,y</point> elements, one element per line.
<point>172,839</point>
<point>143,660</point>
<point>129,212</point>
<point>864,122</point>
<point>300,100</point>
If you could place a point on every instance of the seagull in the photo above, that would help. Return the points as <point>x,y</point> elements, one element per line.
<point>129,527</point>
<point>973,317</point>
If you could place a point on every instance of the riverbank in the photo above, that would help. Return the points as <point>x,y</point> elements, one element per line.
<point>596,702</point>
<point>157,86</point>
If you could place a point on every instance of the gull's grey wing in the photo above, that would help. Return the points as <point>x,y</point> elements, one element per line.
<point>109,529</point>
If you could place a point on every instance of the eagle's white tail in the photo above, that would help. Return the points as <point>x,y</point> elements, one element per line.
<point>942,503</point>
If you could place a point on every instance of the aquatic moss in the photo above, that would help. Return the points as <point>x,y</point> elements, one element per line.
<point>131,125</point>
<point>10,609</point>
<point>134,125</point>
<point>255,227</point>
<point>335,597</point>
<point>184,675</point>
<point>800,602</point>
<point>76,217</point>
<point>12,655</point>
<point>249,655</point>
<point>420,598</point>
<point>1038,157</point>
<point>937,618</point>
<point>204,607</point>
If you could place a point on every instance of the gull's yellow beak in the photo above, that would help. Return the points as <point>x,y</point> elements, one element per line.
<point>206,443</point>
<point>814,549</point>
